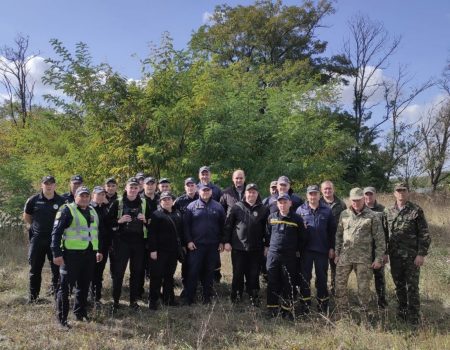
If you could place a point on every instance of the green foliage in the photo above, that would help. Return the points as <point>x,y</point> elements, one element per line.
<point>263,33</point>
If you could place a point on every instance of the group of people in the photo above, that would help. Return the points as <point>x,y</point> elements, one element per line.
<point>281,237</point>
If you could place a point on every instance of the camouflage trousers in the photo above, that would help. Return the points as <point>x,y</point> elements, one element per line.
<point>406,279</point>
<point>363,277</point>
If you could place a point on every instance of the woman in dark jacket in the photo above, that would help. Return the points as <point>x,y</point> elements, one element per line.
<point>164,243</point>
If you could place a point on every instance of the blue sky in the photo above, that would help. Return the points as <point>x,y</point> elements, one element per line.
<point>116,30</point>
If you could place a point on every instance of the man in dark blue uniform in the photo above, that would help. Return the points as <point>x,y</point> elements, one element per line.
<point>284,238</point>
<point>204,175</point>
<point>321,231</point>
<point>40,211</point>
<point>203,229</point>
<point>181,204</point>
<point>76,245</point>
<point>75,182</point>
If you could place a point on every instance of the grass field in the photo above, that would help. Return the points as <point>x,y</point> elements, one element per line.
<point>221,324</point>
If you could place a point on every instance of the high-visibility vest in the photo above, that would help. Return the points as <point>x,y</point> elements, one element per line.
<point>78,235</point>
<point>143,208</point>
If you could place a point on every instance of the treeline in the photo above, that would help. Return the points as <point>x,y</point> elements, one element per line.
<point>253,90</point>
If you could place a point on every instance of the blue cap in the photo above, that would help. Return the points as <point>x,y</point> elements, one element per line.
<point>203,187</point>
<point>284,196</point>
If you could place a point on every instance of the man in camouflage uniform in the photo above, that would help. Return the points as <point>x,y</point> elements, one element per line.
<point>409,240</point>
<point>337,206</point>
<point>370,197</point>
<point>358,228</point>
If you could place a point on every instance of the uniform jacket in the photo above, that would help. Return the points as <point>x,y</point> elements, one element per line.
<point>245,226</point>
<point>320,227</point>
<point>133,231</point>
<point>408,231</point>
<point>63,220</point>
<point>230,196</point>
<point>183,201</point>
<point>165,232</point>
<point>106,222</point>
<point>203,222</point>
<point>337,207</point>
<point>285,234</point>
<point>43,212</point>
<point>355,236</point>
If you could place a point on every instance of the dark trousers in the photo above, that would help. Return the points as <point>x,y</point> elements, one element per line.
<point>203,259</point>
<point>97,279</point>
<point>320,263</point>
<point>145,272</point>
<point>161,275</point>
<point>77,271</point>
<point>281,272</point>
<point>124,252</point>
<point>406,279</point>
<point>380,284</point>
<point>245,265</point>
<point>38,251</point>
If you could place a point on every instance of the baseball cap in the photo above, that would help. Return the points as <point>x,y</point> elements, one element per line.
<point>81,190</point>
<point>203,187</point>
<point>284,196</point>
<point>111,180</point>
<point>274,183</point>
<point>49,179</point>
<point>370,189</point>
<point>165,194</point>
<point>149,179</point>
<point>133,181</point>
<point>140,176</point>
<point>189,180</point>
<point>204,168</point>
<point>401,186</point>
<point>76,178</point>
<point>283,180</point>
<point>98,189</point>
<point>251,186</point>
<point>164,180</point>
<point>312,188</point>
<point>356,194</point>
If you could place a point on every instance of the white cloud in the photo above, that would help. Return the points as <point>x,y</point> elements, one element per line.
<point>374,89</point>
<point>207,17</point>
<point>416,112</point>
<point>36,69</point>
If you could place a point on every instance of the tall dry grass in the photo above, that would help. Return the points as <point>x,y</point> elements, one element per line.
<point>223,325</point>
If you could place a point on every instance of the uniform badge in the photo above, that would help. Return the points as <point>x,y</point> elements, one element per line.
<point>255,213</point>
<point>55,206</point>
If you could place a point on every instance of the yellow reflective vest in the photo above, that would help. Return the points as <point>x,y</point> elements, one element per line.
<point>78,235</point>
